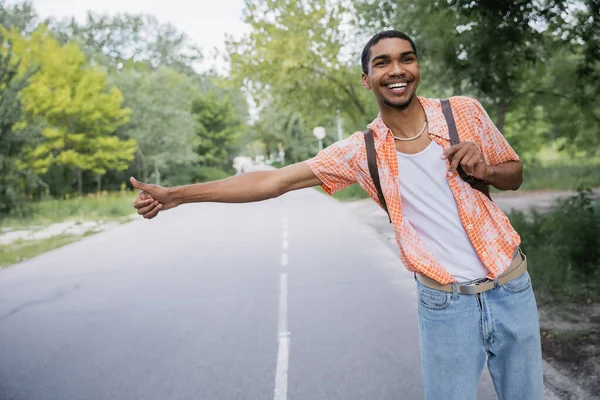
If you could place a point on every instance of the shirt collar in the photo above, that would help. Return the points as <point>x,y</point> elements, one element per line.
<point>436,123</point>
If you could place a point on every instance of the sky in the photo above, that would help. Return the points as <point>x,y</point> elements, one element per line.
<point>205,21</point>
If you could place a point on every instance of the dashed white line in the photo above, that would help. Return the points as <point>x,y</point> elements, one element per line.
<point>283,303</point>
<point>284,259</point>
<point>281,376</point>
<point>283,351</point>
<point>285,245</point>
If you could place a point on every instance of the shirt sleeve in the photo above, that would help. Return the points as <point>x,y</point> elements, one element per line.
<point>334,165</point>
<point>495,148</point>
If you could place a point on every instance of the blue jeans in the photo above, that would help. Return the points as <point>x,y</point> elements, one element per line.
<point>458,332</point>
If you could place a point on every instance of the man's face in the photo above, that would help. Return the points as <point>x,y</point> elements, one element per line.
<point>393,73</point>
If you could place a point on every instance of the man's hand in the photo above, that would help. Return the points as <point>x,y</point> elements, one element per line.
<point>470,158</point>
<point>152,199</point>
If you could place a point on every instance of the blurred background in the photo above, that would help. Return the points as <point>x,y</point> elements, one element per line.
<point>93,92</point>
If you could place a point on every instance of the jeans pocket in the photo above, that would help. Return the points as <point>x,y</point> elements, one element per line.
<point>519,284</point>
<point>433,299</point>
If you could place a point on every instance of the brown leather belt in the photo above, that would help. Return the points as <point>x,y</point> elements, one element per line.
<point>516,268</point>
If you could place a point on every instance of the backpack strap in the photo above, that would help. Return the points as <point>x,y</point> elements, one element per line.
<point>372,162</point>
<point>447,111</point>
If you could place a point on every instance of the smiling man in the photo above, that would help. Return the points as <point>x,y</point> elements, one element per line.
<point>475,297</point>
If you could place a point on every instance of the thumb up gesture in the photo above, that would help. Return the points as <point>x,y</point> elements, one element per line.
<point>152,199</point>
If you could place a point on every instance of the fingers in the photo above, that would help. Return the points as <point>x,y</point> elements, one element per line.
<point>450,151</point>
<point>148,208</point>
<point>457,158</point>
<point>465,154</point>
<point>142,203</point>
<point>154,212</point>
<point>469,162</point>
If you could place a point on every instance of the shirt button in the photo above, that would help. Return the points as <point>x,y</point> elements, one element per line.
<point>470,226</point>
<point>484,254</point>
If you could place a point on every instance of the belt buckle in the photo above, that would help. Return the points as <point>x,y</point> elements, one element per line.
<point>472,288</point>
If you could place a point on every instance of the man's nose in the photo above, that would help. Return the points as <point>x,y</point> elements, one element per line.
<point>396,69</point>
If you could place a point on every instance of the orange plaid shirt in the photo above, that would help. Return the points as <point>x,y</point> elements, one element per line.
<point>493,237</point>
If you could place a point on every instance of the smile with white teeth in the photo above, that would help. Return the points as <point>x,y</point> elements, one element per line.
<point>397,85</point>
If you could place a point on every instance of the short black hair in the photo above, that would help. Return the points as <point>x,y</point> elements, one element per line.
<point>366,53</point>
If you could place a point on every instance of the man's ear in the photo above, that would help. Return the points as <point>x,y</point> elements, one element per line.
<point>365,81</point>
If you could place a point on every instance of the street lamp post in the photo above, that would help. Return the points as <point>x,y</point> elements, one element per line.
<point>319,133</point>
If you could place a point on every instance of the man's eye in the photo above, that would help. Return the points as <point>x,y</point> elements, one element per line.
<point>379,63</point>
<point>407,59</point>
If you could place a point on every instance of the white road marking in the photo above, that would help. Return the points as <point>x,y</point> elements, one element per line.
<point>285,245</point>
<point>283,352</point>
<point>281,376</point>
<point>283,303</point>
<point>284,259</point>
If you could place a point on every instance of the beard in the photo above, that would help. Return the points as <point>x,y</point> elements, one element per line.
<point>401,105</point>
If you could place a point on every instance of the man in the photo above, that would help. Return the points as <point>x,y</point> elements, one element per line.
<point>475,298</point>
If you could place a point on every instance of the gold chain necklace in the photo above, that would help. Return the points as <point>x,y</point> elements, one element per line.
<point>414,137</point>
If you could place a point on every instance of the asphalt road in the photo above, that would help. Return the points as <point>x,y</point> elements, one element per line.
<point>291,298</point>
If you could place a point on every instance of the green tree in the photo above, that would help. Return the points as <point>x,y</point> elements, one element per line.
<point>122,39</point>
<point>161,120</point>
<point>478,46</point>
<point>19,16</point>
<point>571,90</point>
<point>287,128</point>
<point>534,64</point>
<point>13,134</point>
<point>79,111</point>
<point>293,57</point>
<point>218,128</point>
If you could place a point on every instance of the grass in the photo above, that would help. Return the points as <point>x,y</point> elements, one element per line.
<point>92,207</point>
<point>561,176</point>
<point>23,250</point>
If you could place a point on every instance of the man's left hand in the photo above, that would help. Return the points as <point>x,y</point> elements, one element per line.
<point>470,158</point>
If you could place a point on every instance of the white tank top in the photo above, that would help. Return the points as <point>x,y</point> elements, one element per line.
<point>429,205</point>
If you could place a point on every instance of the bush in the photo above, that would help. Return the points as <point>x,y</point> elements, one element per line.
<point>209,174</point>
<point>351,193</point>
<point>563,247</point>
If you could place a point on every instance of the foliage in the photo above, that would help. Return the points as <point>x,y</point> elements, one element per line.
<point>17,252</point>
<point>21,17</point>
<point>293,58</point>
<point>78,111</point>
<point>218,129</point>
<point>209,174</point>
<point>566,175</point>
<point>12,137</point>
<point>533,63</point>
<point>563,247</point>
<point>286,129</point>
<point>351,193</point>
<point>90,207</point>
<point>123,39</point>
<point>161,120</point>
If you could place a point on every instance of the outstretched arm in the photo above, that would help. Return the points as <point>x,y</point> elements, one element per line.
<point>245,188</point>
